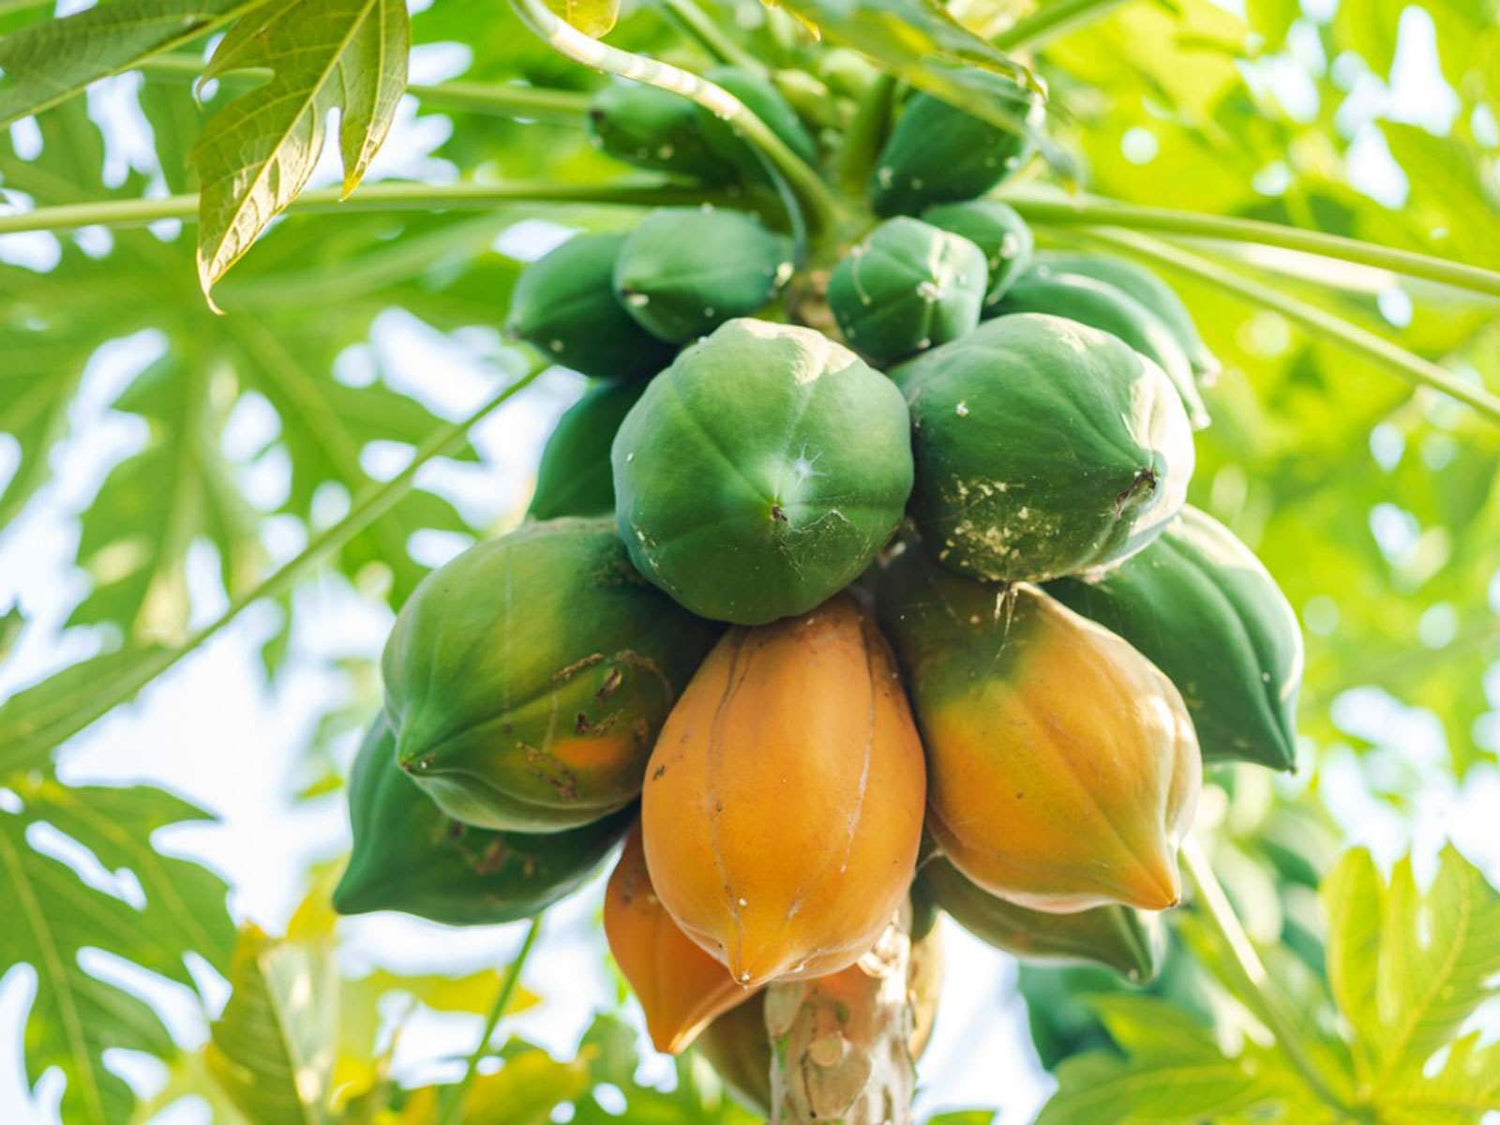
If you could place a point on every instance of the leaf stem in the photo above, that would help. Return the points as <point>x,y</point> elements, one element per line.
<point>454,1098</point>
<point>103,698</point>
<point>1411,367</point>
<point>501,99</point>
<point>822,204</point>
<point>866,133</point>
<point>1049,22</point>
<point>1272,1006</point>
<point>1055,209</point>
<point>696,24</point>
<point>385,196</point>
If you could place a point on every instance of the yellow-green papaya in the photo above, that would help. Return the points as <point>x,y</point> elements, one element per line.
<point>409,855</point>
<point>1062,767</point>
<point>526,679</point>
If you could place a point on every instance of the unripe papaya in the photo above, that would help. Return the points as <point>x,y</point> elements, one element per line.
<point>686,270</point>
<point>1129,941</point>
<point>1062,764</point>
<point>999,232</point>
<point>527,678</point>
<point>1043,447</point>
<point>906,287</point>
<point>767,103</point>
<point>408,855</point>
<point>565,304</point>
<point>681,988</point>
<point>738,1046</point>
<point>1199,604</point>
<point>1140,283</point>
<point>654,128</point>
<point>574,477</point>
<point>783,802</point>
<point>937,153</point>
<point>761,472</point>
<point>1102,306</point>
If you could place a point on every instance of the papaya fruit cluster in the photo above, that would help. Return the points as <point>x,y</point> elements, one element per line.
<point>831,630</point>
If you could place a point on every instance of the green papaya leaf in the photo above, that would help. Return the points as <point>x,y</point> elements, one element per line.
<point>12,622</point>
<point>256,154</point>
<point>48,62</point>
<point>58,910</point>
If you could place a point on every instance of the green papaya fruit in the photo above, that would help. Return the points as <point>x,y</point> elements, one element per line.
<point>654,128</point>
<point>408,855</point>
<point>1202,608</point>
<point>997,230</point>
<point>1043,448</point>
<point>906,287</point>
<point>1139,282</point>
<point>565,304</point>
<point>767,103</point>
<point>937,153</point>
<point>1129,941</point>
<point>686,270</point>
<point>1102,306</point>
<point>574,477</point>
<point>526,679</point>
<point>761,472</point>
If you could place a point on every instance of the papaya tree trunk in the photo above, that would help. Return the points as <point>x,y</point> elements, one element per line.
<point>841,1045</point>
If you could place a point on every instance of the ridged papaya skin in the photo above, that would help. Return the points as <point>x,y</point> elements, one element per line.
<point>1140,283</point>
<point>937,153</point>
<point>686,270</point>
<point>999,232</point>
<point>1129,941</point>
<point>906,287</point>
<point>1062,767</point>
<point>565,304</point>
<point>574,477</point>
<point>767,103</point>
<point>783,802</point>
<point>1043,289</point>
<point>1043,447</point>
<point>527,678</point>
<point>654,128</point>
<point>738,1046</point>
<point>761,472</point>
<point>408,855</point>
<point>680,988</point>
<point>1202,608</point>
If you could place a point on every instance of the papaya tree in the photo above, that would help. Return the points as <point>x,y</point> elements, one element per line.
<point>998,483</point>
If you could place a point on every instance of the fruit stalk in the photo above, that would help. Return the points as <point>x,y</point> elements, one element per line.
<point>840,1044</point>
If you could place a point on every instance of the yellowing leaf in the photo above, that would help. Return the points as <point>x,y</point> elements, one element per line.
<point>256,155</point>
<point>592,17</point>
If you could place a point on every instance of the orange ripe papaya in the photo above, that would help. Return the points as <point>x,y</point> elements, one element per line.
<point>1063,767</point>
<point>681,988</point>
<point>783,801</point>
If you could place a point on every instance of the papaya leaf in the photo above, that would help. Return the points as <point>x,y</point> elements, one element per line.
<point>273,1049</point>
<point>1410,967</point>
<point>592,17</point>
<point>150,917</point>
<point>12,623</point>
<point>256,154</point>
<point>921,42</point>
<point>48,62</point>
<point>525,1090</point>
<point>1464,1088</point>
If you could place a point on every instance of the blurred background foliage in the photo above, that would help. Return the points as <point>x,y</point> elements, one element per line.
<point>1376,507</point>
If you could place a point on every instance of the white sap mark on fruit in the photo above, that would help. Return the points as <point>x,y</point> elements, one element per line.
<point>1012,161</point>
<point>929,291</point>
<point>784,273</point>
<point>707,208</point>
<point>556,346</point>
<point>708,311</point>
<point>637,300</point>
<point>1009,245</point>
<point>743,903</point>
<point>629,457</point>
<point>962,410</point>
<point>666,152</point>
<point>745,977</point>
<point>884,175</point>
<point>924,343</point>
